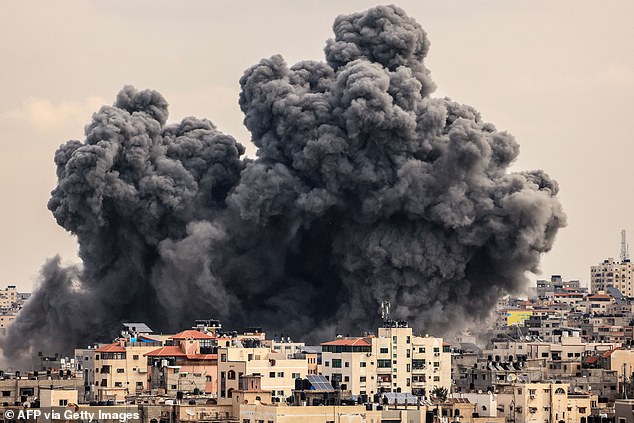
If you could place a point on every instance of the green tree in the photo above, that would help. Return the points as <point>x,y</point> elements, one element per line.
<point>439,393</point>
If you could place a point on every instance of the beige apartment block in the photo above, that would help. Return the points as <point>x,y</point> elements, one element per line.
<point>614,274</point>
<point>349,364</point>
<point>119,369</point>
<point>542,402</point>
<point>431,364</point>
<point>393,361</point>
<point>393,350</point>
<point>278,373</point>
<point>8,296</point>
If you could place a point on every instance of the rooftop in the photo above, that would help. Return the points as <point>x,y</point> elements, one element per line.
<point>112,348</point>
<point>191,334</point>
<point>352,342</point>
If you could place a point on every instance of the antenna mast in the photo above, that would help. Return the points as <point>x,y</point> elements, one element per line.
<point>385,310</point>
<point>625,250</point>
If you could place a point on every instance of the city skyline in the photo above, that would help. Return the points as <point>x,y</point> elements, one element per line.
<point>556,76</point>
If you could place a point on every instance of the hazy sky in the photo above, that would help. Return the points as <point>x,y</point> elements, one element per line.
<point>559,75</point>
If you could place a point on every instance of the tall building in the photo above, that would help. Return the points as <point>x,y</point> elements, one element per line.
<point>393,361</point>
<point>612,274</point>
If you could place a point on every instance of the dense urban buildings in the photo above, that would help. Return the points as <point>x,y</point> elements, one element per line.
<point>562,354</point>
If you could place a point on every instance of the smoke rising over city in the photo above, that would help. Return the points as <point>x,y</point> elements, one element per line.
<point>365,188</point>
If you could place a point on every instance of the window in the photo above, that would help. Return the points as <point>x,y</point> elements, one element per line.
<point>408,367</point>
<point>296,375</point>
<point>63,402</point>
<point>383,364</point>
<point>207,378</point>
<point>135,357</point>
<point>280,374</point>
<point>174,387</point>
<point>327,363</point>
<point>139,385</point>
<point>118,384</point>
<point>336,363</point>
<point>394,339</point>
<point>280,393</point>
<point>120,370</point>
<point>362,379</point>
<point>6,393</point>
<point>346,364</point>
<point>384,350</point>
<point>223,357</point>
<point>231,374</point>
<point>362,364</point>
<point>421,349</point>
<point>346,378</point>
<point>271,374</point>
<point>407,340</point>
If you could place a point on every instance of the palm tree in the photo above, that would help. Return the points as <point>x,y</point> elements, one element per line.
<point>439,393</point>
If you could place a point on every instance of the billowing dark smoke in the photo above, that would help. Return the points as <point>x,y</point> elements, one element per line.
<point>365,188</point>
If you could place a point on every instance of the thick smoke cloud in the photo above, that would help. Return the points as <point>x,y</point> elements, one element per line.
<point>365,188</point>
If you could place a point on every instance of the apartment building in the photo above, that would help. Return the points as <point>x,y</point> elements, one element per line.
<point>543,402</point>
<point>614,274</point>
<point>114,371</point>
<point>186,363</point>
<point>277,371</point>
<point>349,364</point>
<point>120,369</point>
<point>431,365</point>
<point>8,297</point>
<point>393,361</point>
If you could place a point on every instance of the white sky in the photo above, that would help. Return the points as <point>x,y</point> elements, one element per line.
<point>559,75</point>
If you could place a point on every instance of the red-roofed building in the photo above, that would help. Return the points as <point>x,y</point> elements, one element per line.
<point>191,334</point>
<point>111,348</point>
<point>186,366</point>
<point>114,371</point>
<point>348,342</point>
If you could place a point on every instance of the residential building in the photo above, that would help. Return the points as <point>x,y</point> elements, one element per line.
<point>186,363</point>
<point>277,371</point>
<point>393,361</point>
<point>614,274</point>
<point>542,402</point>
<point>349,364</point>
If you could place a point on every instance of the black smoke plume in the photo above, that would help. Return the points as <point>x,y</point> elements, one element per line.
<point>364,188</point>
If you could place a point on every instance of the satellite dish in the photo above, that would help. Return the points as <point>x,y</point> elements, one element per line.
<point>511,377</point>
<point>577,390</point>
<point>190,413</point>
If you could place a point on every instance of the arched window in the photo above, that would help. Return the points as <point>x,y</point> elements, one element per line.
<point>560,391</point>
<point>230,393</point>
<point>231,375</point>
